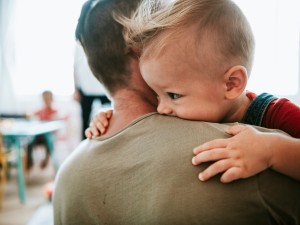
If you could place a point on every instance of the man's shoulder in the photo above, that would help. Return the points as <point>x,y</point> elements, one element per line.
<point>75,158</point>
<point>164,120</point>
<point>161,123</point>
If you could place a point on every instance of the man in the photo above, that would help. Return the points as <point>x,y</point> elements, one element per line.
<point>140,171</point>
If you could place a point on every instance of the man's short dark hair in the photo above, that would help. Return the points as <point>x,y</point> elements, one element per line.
<point>102,39</point>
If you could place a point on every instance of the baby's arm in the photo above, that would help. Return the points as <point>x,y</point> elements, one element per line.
<point>247,153</point>
<point>98,124</point>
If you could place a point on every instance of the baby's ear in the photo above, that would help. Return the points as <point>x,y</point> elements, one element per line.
<point>236,79</point>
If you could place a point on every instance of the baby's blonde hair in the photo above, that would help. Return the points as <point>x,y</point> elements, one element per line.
<point>155,22</point>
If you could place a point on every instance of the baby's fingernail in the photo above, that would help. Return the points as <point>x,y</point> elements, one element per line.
<point>102,130</point>
<point>193,161</point>
<point>201,177</point>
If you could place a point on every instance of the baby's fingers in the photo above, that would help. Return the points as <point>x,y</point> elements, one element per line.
<point>95,130</point>
<point>214,169</point>
<point>211,155</point>
<point>101,120</point>
<point>88,133</point>
<point>231,174</point>
<point>234,130</point>
<point>217,143</point>
<point>109,113</point>
<point>98,126</point>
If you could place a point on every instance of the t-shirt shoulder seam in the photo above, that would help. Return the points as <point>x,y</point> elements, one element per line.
<point>128,126</point>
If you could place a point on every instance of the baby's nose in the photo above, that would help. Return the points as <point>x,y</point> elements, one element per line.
<point>163,109</point>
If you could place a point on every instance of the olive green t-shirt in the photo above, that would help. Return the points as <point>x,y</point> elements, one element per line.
<point>144,175</point>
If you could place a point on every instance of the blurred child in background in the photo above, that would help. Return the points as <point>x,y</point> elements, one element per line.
<point>46,113</point>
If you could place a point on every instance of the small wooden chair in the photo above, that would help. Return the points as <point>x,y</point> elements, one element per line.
<point>2,170</point>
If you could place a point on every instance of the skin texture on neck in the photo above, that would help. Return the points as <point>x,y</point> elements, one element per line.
<point>128,106</point>
<point>132,102</point>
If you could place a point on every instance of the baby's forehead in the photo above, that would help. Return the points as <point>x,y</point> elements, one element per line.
<point>189,39</point>
<point>180,49</point>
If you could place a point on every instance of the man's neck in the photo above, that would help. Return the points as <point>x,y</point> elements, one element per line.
<point>127,106</point>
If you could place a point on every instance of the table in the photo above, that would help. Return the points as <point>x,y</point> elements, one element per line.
<point>16,131</point>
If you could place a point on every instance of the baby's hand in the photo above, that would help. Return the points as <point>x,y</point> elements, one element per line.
<point>243,155</point>
<point>98,124</point>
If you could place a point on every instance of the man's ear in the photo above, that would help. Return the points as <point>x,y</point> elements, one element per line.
<point>236,79</point>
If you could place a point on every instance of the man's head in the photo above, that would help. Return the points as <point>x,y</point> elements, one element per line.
<point>199,50</point>
<point>102,39</point>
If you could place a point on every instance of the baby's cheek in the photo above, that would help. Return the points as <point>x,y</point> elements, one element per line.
<point>184,114</point>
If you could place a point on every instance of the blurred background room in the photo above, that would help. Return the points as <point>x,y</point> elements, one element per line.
<point>37,53</point>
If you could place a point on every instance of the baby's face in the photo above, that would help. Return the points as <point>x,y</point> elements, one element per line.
<point>184,89</point>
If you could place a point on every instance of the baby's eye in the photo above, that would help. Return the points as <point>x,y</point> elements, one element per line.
<point>174,95</point>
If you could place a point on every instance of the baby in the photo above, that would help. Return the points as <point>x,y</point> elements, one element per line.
<point>197,56</point>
